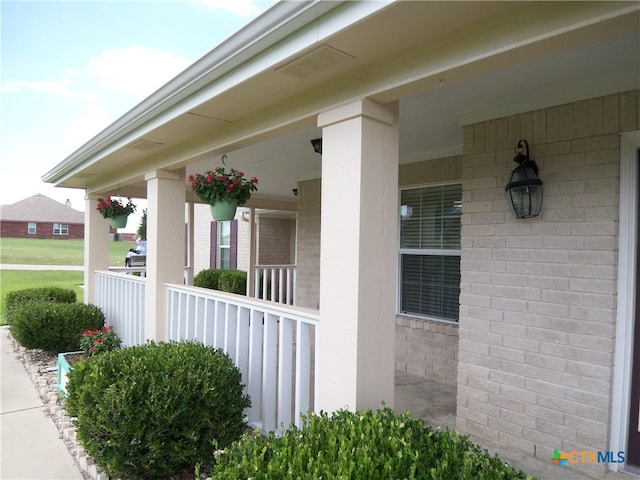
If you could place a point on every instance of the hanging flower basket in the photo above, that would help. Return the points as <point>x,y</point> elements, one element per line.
<point>115,210</point>
<point>118,222</point>
<point>224,210</point>
<point>223,191</point>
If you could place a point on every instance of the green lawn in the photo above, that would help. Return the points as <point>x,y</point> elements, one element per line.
<point>39,251</point>
<point>36,251</point>
<point>11,280</point>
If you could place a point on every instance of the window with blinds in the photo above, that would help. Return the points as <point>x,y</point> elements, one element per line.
<point>224,245</point>
<point>430,251</point>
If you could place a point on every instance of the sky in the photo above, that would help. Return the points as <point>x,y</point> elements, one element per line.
<point>68,69</point>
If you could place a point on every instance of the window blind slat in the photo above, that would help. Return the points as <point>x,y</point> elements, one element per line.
<point>430,282</point>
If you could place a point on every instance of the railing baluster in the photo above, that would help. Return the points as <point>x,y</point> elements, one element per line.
<point>269,378</point>
<point>285,372</point>
<point>303,371</point>
<point>121,298</point>
<point>242,342</point>
<point>254,378</point>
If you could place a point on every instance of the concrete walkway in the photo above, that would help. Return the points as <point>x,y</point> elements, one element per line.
<point>30,446</point>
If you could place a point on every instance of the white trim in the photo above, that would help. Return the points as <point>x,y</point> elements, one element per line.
<point>627,235</point>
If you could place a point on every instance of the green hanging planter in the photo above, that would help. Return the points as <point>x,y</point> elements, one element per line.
<point>118,222</point>
<point>224,210</point>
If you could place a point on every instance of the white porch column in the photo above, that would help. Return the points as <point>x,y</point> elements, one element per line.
<point>96,245</point>
<point>358,255</point>
<point>165,239</point>
<point>252,254</point>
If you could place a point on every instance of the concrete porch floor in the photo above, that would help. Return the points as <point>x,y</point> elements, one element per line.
<point>436,403</point>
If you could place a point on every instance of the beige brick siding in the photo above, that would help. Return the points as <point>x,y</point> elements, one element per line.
<point>201,237</point>
<point>537,313</point>
<point>426,347</point>
<point>308,244</point>
<point>276,241</point>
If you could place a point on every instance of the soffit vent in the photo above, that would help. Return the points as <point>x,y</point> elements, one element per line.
<point>144,145</point>
<point>317,61</point>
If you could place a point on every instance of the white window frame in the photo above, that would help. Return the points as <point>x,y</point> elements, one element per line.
<point>421,251</point>
<point>61,229</point>
<point>220,247</point>
<point>627,236</point>
<point>32,228</point>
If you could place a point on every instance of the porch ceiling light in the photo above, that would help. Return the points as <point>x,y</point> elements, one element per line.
<point>524,189</point>
<point>317,145</point>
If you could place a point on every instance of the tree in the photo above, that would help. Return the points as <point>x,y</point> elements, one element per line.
<point>142,227</point>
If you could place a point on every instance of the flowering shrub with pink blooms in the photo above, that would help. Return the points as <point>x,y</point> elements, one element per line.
<point>112,207</point>
<point>213,186</point>
<point>93,342</point>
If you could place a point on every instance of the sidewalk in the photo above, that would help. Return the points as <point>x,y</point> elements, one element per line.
<point>30,445</point>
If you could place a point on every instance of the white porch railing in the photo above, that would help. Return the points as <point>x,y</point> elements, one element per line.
<point>122,299</point>
<point>274,346</point>
<point>275,283</point>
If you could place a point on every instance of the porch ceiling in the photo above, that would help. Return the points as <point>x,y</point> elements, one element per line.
<point>449,64</point>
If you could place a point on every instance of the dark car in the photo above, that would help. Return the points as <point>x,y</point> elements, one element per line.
<point>137,257</point>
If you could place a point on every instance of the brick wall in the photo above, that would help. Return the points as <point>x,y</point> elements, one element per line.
<point>428,348</point>
<point>275,242</point>
<point>201,237</point>
<point>243,242</point>
<point>308,244</point>
<point>43,230</point>
<point>538,296</point>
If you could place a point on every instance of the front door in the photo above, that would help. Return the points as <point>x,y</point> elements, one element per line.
<point>633,446</point>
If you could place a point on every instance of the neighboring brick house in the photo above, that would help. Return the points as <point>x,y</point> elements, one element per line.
<point>41,217</point>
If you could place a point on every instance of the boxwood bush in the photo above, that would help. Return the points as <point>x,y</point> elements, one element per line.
<point>362,445</point>
<point>233,281</point>
<point>207,278</point>
<point>54,327</point>
<point>19,298</point>
<point>225,280</point>
<point>153,411</point>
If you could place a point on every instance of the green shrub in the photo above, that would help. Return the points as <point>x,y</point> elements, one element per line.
<point>225,280</point>
<point>233,281</point>
<point>19,298</point>
<point>207,278</point>
<point>362,445</point>
<point>151,411</point>
<point>54,327</point>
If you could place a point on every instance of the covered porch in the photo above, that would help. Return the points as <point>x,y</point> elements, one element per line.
<point>441,98</point>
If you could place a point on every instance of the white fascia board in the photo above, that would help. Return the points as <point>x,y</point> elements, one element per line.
<point>282,31</point>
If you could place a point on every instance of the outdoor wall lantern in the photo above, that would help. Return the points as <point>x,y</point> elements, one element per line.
<point>524,189</point>
<point>317,145</point>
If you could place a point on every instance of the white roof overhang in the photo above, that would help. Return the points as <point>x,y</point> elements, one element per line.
<point>256,96</point>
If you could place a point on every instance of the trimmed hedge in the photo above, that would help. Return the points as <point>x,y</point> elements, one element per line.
<point>207,278</point>
<point>362,445</point>
<point>54,327</point>
<point>152,411</point>
<point>19,298</point>
<point>232,281</point>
